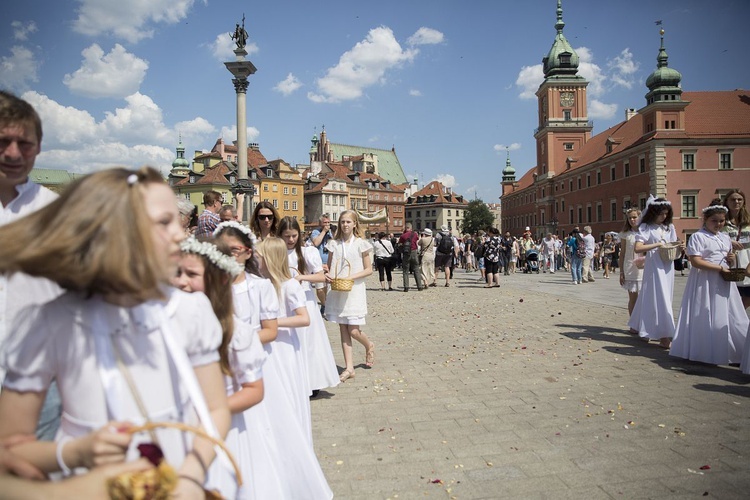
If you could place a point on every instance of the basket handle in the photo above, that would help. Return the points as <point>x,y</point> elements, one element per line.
<point>345,263</point>
<point>150,426</point>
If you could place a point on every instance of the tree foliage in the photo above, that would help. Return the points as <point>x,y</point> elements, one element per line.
<point>477,216</point>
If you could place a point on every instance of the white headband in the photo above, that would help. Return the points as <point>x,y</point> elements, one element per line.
<point>236,225</point>
<point>212,253</point>
<point>716,207</point>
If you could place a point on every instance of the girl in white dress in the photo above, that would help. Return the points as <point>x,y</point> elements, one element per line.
<point>208,268</point>
<point>306,267</point>
<point>738,229</point>
<point>118,335</point>
<point>631,263</point>
<point>278,422</point>
<point>712,324</point>
<point>652,315</point>
<point>349,256</point>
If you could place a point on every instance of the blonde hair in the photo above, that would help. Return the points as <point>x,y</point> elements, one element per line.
<point>95,238</point>
<point>357,230</point>
<point>273,251</point>
<point>626,227</point>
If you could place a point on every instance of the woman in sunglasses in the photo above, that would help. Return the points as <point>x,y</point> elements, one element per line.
<point>265,220</point>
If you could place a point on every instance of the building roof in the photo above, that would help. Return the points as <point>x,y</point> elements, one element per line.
<point>50,176</point>
<point>213,176</point>
<point>439,191</point>
<point>388,164</point>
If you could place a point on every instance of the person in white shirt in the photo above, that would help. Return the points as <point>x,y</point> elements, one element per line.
<point>20,143</point>
<point>588,238</point>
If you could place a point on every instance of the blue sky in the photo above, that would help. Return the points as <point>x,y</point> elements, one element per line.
<point>448,83</point>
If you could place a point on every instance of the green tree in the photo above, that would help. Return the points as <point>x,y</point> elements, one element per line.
<point>476,216</point>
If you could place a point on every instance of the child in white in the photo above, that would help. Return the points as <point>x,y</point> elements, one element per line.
<point>276,421</point>
<point>321,365</point>
<point>122,346</point>
<point>349,256</point>
<point>713,324</point>
<point>652,315</point>
<point>206,268</point>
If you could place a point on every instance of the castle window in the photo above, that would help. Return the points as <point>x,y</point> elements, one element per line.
<point>642,165</point>
<point>566,115</point>
<point>725,161</point>
<point>688,161</point>
<point>568,146</point>
<point>627,169</point>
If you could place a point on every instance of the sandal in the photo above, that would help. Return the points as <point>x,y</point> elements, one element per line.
<point>370,355</point>
<point>346,375</point>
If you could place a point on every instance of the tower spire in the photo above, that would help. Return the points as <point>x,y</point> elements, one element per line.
<point>560,24</point>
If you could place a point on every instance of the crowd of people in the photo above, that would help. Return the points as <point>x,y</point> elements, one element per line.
<point>125,311</point>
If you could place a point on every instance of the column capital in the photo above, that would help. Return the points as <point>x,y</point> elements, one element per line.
<point>240,85</point>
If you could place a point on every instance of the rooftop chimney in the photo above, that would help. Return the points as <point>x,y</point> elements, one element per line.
<point>630,113</point>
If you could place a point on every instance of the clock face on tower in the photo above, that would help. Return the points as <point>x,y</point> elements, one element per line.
<point>567,99</point>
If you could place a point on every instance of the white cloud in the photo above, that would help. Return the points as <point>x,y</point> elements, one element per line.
<point>229,134</point>
<point>591,72</point>
<point>222,48</point>
<point>511,147</point>
<point>19,68</point>
<point>426,36</point>
<point>64,126</point>
<point>598,109</point>
<point>446,180</point>
<point>288,85</point>
<point>623,68</point>
<point>117,74</point>
<point>131,20</point>
<point>529,79</point>
<point>363,66</point>
<point>22,31</point>
<point>133,135</point>
<point>415,93</point>
<point>373,139</point>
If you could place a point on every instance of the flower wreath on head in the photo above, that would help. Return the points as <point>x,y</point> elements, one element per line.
<point>652,201</point>
<point>236,225</point>
<point>208,250</point>
<point>715,207</point>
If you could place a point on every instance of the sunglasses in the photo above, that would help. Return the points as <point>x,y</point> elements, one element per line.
<point>265,217</point>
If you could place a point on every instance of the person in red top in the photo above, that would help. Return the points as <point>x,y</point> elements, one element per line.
<point>410,257</point>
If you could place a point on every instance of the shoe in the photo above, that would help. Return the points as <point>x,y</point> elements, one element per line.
<point>346,375</point>
<point>370,356</point>
<point>447,284</point>
<point>390,289</point>
<point>665,343</point>
<point>591,280</point>
<point>323,310</point>
<point>406,289</point>
<point>579,282</point>
<point>315,393</point>
<point>575,282</point>
<point>552,272</point>
<point>433,284</point>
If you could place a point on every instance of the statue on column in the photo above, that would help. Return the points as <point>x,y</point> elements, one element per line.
<point>240,35</point>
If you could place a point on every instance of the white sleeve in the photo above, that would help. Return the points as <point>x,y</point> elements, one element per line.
<point>195,318</point>
<point>269,301</point>
<point>313,261</point>
<point>247,354</point>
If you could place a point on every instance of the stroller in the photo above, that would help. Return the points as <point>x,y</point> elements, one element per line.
<point>532,261</point>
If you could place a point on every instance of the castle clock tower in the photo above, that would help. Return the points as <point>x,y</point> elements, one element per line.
<point>564,126</point>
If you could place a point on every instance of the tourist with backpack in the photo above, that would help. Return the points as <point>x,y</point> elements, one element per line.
<point>410,257</point>
<point>445,251</point>
<point>577,254</point>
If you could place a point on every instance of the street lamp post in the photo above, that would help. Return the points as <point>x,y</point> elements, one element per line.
<point>241,68</point>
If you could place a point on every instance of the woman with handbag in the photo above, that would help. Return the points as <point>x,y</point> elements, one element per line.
<point>631,265</point>
<point>384,260</point>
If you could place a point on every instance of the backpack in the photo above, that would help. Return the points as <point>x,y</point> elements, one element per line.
<point>406,245</point>
<point>479,251</point>
<point>446,244</point>
<point>492,250</point>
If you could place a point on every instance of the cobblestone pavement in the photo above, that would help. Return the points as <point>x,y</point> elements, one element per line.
<point>531,390</point>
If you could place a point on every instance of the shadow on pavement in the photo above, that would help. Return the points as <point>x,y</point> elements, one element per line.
<point>633,346</point>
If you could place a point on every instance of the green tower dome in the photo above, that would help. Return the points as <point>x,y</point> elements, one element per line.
<point>180,162</point>
<point>509,173</point>
<point>663,75</point>
<point>561,59</point>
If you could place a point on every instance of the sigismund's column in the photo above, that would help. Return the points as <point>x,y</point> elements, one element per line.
<point>241,68</point>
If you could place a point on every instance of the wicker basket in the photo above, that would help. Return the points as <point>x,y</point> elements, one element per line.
<point>159,483</point>
<point>733,274</point>
<point>342,284</point>
<point>669,251</point>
